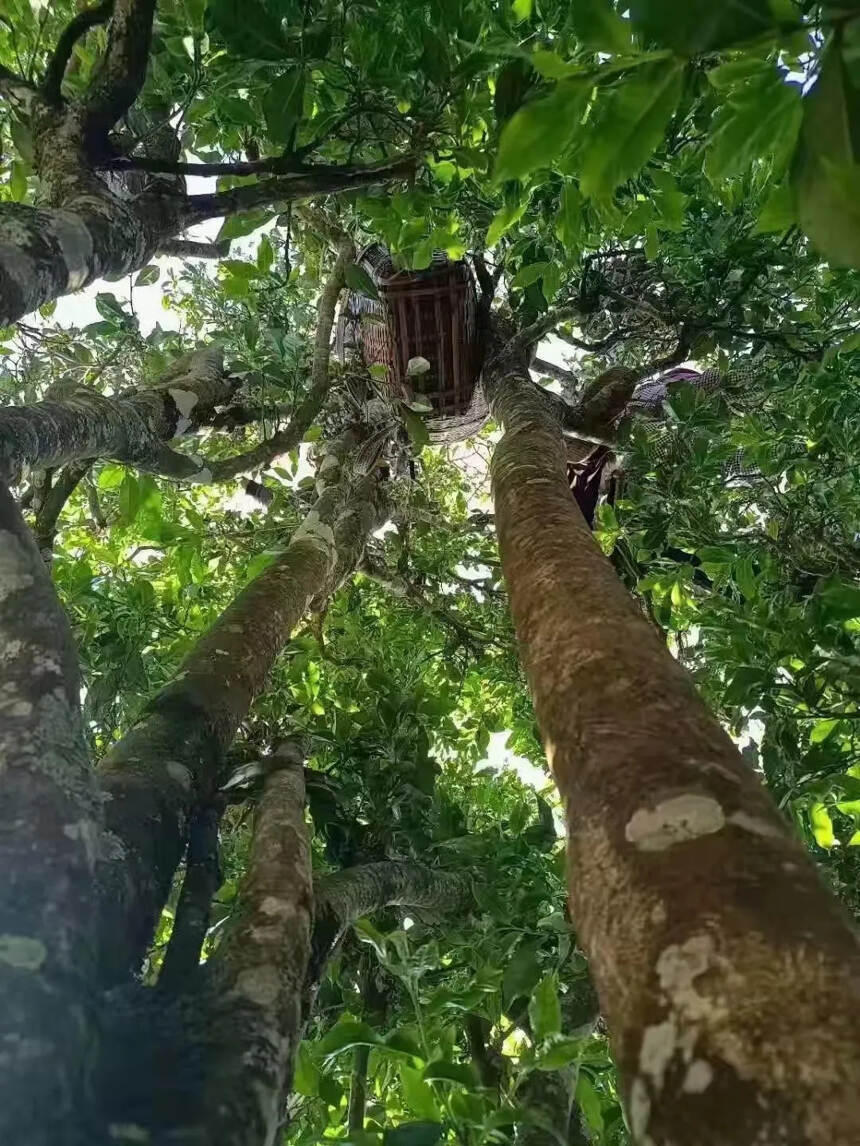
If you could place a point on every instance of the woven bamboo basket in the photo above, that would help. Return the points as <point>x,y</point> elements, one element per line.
<point>429,314</point>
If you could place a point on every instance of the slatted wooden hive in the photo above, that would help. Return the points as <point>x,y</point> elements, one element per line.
<point>430,314</point>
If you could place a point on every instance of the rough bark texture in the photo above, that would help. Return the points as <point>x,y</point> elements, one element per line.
<point>258,971</point>
<point>193,911</point>
<point>49,837</point>
<point>131,428</point>
<point>172,757</point>
<point>347,895</point>
<point>357,1089</point>
<point>728,975</point>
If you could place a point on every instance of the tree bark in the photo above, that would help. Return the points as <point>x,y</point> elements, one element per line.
<point>50,827</point>
<point>193,911</point>
<point>172,758</point>
<point>346,895</point>
<point>132,428</point>
<point>728,975</point>
<point>258,971</point>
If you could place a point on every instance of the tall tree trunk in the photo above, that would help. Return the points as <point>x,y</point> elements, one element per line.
<point>132,427</point>
<point>172,758</point>
<point>50,816</point>
<point>728,975</point>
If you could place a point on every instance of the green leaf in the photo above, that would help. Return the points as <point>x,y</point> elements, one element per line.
<point>307,1075</point>
<point>545,1009</point>
<point>598,25</point>
<point>840,601</point>
<point>282,105</point>
<point>504,219</point>
<point>248,27</point>
<point>541,130</point>
<point>822,826</point>
<point>359,280</point>
<point>18,180</point>
<point>694,26</point>
<point>822,730</point>
<point>521,974</point>
<point>758,121</point>
<point>525,276</point>
<point>147,276</point>
<point>522,9</point>
<point>826,171</point>
<point>630,128</point>
<point>111,477</point>
<point>129,498</point>
<point>109,307</point>
<point>745,578</point>
<point>416,427</point>
<point>559,1053</point>
<point>418,1096</point>
<point>451,1072</point>
<point>345,1036</point>
<point>237,226</point>
<point>589,1102</point>
<point>778,212</point>
<point>413,1134</point>
<point>265,255</point>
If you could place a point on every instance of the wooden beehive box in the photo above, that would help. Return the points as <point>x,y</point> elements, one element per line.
<point>429,314</point>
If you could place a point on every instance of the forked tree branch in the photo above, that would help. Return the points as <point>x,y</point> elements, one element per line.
<point>122,71</point>
<point>78,26</point>
<point>306,184</point>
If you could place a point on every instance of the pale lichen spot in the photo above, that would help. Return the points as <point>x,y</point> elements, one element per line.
<point>128,1132</point>
<point>15,707</point>
<point>260,985</point>
<point>76,245</point>
<point>185,400</point>
<point>223,652</point>
<point>88,833</point>
<point>698,1077</point>
<point>22,951</point>
<point>674,821</point>
<point>658,914</point>
<point>754,824</point>
<point>277,907</point>
<point>639,1109</point>
<point>179,773</point>
<point>659,1043</point>
<point>14,561</point>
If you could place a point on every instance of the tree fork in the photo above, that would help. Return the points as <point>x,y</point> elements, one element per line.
<point>171,759</point>
<point>701,914</point>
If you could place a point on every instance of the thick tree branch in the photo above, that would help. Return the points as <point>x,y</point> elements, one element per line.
<point>202,878</point>
<point>550,370</point>
<point>131,428</point>
<point>347,895</point>
<point>50,830</point>
<point>316,181</point>
<point>173,756</point>
<point>19,92</point>
<point>78,26</point>
<point>275,165</point>
<point>45,525</point>
<point>122,70</point>
<point>188,249</point>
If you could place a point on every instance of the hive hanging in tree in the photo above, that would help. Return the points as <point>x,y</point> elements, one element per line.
<point>428,315</point>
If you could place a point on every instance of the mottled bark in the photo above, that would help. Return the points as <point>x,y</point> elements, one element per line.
<point>194,908</point>
<point>728,975</point>
<point>49,838</point>
<point>173,756</point>
<point>258,971</point>
<point>50,508</point>
<point>346,895</point>
<point>132,428</point>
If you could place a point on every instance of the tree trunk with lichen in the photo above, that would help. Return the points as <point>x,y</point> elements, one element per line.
<point>132,427</point>
<point>50,816</point>
<point>172,759</point>
<point>728,975</point>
